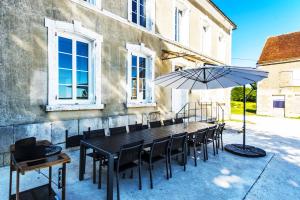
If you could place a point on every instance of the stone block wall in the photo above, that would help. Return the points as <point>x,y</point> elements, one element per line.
<point>55,131</point>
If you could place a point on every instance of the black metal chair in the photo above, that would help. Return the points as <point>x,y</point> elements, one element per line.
<point>159,151</point>
<point>168,122</point>
<point>219,135</point>
<point>211,138</point>
<point>135,127</point>
<point>178,147</point>
<point>155,124</point>
<point>73,141</point>
<point>129,157</point>
<point>117,130</point>
<point>178,120</point>
<point>196,140</point>
<point>95,155</point>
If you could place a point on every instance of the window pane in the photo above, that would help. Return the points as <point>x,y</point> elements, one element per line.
<point>141,84</point>
<point>133,83</point>
<point>65,61</point>
<point>143,21</point>
<point>278,104</point>
<point>134,6</point>
<point>134,18</point>
<point>144,94</point>
<point>133,74</point>
<point>82,92</point>
<point>82,63</point>
<point>64,45</point>
<point>65,76</point>
<point>82,78</point>
<point>142,10</point>
<point>134,94</point>
<point>142,72</point>
<point>142,62</point>
<point>82,49</point>
<point>65,91</point>
<point>134,61</point>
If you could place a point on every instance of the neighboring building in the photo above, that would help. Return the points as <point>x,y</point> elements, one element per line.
<point>74,64</point>
<point>279,94</point>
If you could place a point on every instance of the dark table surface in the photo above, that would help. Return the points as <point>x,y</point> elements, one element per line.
<point>112,144</point>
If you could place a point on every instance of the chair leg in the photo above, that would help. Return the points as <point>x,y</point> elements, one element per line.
<point>222,142</point>
<point>167,168</point>
<point>94,170</point>
<point>140,178</point>
<point>204,152</point>
<point>150,171</point>
<point>131,174</point>
<point>217,148</point>
<point>214,147</point>
<point>100,174</point>
<point>170,166</point>
<point>195,156</point>
<point>118,187</point>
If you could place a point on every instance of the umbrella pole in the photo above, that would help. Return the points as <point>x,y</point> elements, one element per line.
<point>244,120</point>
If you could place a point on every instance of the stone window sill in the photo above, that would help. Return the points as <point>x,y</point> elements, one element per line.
<point>52,108</point>
<point>139,105</point>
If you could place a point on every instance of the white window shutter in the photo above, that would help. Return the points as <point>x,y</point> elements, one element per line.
<point>149,80</point>
<point>130,10</point>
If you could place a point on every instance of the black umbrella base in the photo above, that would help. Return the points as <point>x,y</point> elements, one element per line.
<point>249,151</point>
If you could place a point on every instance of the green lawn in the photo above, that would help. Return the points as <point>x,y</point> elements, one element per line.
<point>237,108</point>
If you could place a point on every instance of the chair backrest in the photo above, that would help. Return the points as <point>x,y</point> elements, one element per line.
<point>130,153</point>
<point>178,120</point>
<point>25,149</point>
<point>178,141</point>
<point>168,122</point>
<point>211,132</point>
<point>155,124</point>
<point>135,127</point>
<point>93,133</point>
<point>117,130</point>
<point>199,136</point>
<point>221,128</point>
<point>160,147</point>
<point>73,141</point>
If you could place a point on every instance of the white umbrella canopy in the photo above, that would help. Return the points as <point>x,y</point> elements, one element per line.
<point>211,77</point>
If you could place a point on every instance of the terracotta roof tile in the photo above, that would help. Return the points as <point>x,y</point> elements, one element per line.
<point>281,48</point>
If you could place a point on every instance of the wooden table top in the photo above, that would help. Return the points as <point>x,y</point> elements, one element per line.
<point>112,144</point>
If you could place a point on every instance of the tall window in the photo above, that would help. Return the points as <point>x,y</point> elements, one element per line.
<point>140,75</point>
<point>138,12</point>
<point>178,21</point>
<point>73,66</point>
<point>221,48</point>
<point>138,78</point>
<point>74,59</point>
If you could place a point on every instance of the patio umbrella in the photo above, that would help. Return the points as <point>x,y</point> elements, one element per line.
<point>213,77</point>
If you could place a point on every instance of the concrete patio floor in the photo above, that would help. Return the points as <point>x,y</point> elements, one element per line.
<point>225,176</point>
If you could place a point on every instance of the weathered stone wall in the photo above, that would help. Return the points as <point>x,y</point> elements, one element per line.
<point>279,82</point>
<point>24,69</point>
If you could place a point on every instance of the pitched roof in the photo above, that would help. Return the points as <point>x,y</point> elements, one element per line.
<point>281,48</point>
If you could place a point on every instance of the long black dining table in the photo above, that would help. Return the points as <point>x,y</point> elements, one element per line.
<point>109,146</point>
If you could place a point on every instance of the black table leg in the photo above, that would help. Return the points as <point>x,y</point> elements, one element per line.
<point>82,162</point>
<point>50,181</point>
<point>10,178</point>
<point>63,190</point>
<point>110,177</point>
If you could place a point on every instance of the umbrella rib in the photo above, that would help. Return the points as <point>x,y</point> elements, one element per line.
<point>175,81</point>
<point>187,78</point>
<point>196,80</point>
<point>166,76</point>
<point>216,79</point>
<point>245,78</point>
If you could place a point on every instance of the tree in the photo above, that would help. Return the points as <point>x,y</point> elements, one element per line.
<point>237,94</point>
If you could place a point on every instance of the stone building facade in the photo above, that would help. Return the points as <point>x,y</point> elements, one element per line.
<point>279,94</point>
<point>74,64</point>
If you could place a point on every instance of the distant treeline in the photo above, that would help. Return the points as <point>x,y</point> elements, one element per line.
<point>238,95</point>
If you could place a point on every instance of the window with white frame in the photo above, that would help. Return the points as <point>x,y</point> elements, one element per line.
<point>181,22</point>
<point>141,12</point>
<point>74,59</point>
<point>206,40</point>
<point>140,75</point>
<point>296,77</point>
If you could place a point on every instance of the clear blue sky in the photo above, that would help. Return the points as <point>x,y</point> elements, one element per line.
<point>256,21</point>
